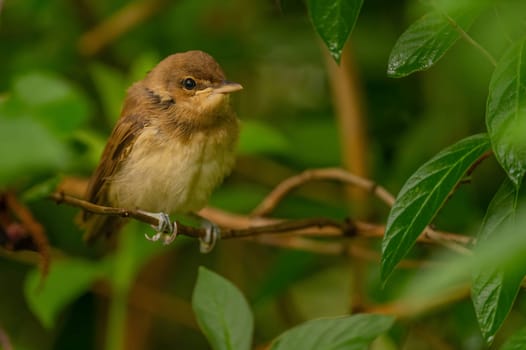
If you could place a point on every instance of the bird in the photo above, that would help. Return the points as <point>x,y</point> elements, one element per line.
<point>174,142</point>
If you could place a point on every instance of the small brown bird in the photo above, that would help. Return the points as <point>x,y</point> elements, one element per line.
<point>172,145</point>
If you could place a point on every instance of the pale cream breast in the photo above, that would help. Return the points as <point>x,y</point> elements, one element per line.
<point>164,174</point>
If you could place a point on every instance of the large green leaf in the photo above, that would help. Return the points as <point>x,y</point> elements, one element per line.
<point>334,21</point>
<point>66,281</point>
<point>430,37</point>
<point>506,112</point>
<point>423,195</point>
<point>28,148</point>
<point>222,312</point>
<point>501,210</point>
<point>345,333</point>
<point>51,100</point>
<point>494,290</point>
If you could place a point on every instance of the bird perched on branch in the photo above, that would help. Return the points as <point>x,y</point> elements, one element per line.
<point>172,145</point>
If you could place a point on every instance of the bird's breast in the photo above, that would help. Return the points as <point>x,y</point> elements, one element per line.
<point>162,173</point>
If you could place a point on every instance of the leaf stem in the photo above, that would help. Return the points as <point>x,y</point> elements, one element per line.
<point>467,37</point>
<point>115,331</point>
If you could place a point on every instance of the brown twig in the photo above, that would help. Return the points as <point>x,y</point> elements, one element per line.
<point>482,158</point>
<point>33,227</point>
<point>409,308</point>
<point>240,225</point>
<point>245,227</point>
<point>334,248</point>
<point>361,228</point>
<point>116,25</point>
<point>336,174</point>
<point>281,190</point>
<point>60,197</point>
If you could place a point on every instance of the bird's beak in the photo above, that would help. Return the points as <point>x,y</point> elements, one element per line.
<point>227,87</point>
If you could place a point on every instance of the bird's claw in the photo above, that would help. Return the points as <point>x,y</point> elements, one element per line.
<point>153,238</point>
<point>165,229</point>
<point>212,235</point>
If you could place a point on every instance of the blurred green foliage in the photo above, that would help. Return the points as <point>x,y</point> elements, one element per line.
<point>59,101</point>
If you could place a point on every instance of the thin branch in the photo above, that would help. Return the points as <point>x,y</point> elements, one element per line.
<point>291,226</point>
<point>61,197</point>
<point>246,227</point>
<point>270,202</point>
<point>334,248</point>
<point>336,174</point>
<point>410,308</point>
<point>226,233</point>
<point>118,24</point>
<point>360,228</point>
<point>452,245</point>
<point>34,229</point>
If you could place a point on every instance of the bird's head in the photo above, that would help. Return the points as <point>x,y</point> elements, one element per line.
<point>193,82</point>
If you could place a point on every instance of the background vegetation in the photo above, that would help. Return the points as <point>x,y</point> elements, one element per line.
<point>64,69</point>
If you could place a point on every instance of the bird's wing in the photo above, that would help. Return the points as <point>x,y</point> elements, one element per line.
<point>117,149</point>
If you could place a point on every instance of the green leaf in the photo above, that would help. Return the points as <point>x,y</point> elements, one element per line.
<point>259,138</point>
<point>38,88</point>
<point>334,21</point>
<point>66,281</point>
<point>423,195</point>
<point>494,290</point>
<point>28,148</point>
<point>428,39</point>
<point>506,112</point>
<point>501,210</point>
<point>222,312</point>
<point>345,333</point>
<point>52,101</point>
<point>516,342</point>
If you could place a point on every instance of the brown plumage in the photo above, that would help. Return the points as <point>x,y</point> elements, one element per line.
<point>173,143</point>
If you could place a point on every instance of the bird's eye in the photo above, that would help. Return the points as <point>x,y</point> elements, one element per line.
<point>189,84</point>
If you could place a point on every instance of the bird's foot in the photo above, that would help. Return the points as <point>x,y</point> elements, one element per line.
<point>165,230</point>
<point>212,235</point>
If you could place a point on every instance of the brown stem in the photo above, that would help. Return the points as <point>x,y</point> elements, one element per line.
<point>116,25</point>
<point>245,227</point>
<point>347,100</point>
<point>336,174</point>
<point>34,228</point>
